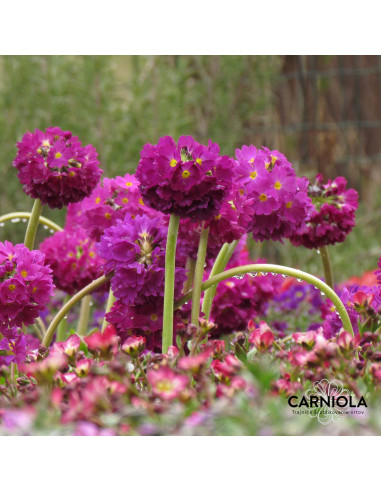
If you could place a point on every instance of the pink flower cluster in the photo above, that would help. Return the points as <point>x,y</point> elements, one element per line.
<point>279,198</point>
<point>25,285</point>
<point>73,258</point>
<point>54,167</point>
<point>108,202</point>
<point>333,214</point>
<point>186,179</point>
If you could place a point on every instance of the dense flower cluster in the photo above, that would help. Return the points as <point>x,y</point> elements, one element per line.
<point>25,285</point>
<point>279,198</point>
<point>238,300</point>
<point>73,258</point>
<point>333,214</point>
<point>108,202</point>
<point>54,167</point>
<point>145,320</point>
<point>105,387</point>
<point>186,179</point>
<point>134,249</point>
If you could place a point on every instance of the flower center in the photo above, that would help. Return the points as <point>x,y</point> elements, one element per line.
<point>199,161</point>
<point>164,385</point>
<point>173,162</point>
<point>278,185</point>
<point>24,273</point>
<point>58,155</point>
<point>153,317</point>
<point>185,174</point>
<point>11,287</point>
<point>146,248</point>
<point>263,197</point>
<point>288,204</point>
<point>253,174</point>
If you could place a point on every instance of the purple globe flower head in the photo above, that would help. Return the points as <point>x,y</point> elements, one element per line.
<point>186,179</point>
<point>134,249</point>
<point>238,301</point>
<point>145,320</point>
<point>25,285</point>
<point>233,220</point>
<point>73,258</point>
<point>108,202</point>
<point>54,167</point>
<point>332,216</point>
<point>278,197</point>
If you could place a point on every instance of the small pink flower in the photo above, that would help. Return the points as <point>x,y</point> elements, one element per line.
<point>83,367</point>
<point>133,346</point>
<point>70,347</point>
<point>346,341</point>
<point>106,343</point>
<point>166,383</point>
<point>194,363</point>
<point>262,337</point>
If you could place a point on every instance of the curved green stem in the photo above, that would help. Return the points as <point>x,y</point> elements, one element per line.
<point>291,272</point>
<point>110,301</point>
<point>219,266</point>
<point>169,286</point>
<point>327,265</point>
<point>71,303</point>
<point>198,275</point>
<point>16,216</point>
<point>32,227</point>
<point>84,316</point>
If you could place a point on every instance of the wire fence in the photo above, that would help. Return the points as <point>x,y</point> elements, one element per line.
<point>327,117</point>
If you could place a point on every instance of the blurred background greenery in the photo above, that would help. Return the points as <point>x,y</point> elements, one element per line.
<point>323,112</point>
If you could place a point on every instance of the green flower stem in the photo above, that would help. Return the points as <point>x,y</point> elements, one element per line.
<point>327,265</point>
<point>62,330</point>
<point>26,215</point>
<point>34,219</point>
<point>190,267</point>
<point>84,316</point>
<point>110,301</point>
<point>62,327</point>
<point>219,266</point>
<point>169,287</point>
<point>198,275</point>
<point>291,272</point>
<point>71,303</point>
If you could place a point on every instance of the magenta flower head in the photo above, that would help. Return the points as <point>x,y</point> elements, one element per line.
<point>73,258</point>
<point>332,216</point>
<point>54,167</point>
<point>108,202</point>
<point>142,321</point>
<point>186,179</point>
<point>25,285</point>
<point>134,249</point>
<point>279,198</point>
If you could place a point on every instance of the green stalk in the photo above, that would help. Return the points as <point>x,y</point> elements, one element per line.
<point>84,316</point>
<point>327,266</point>
<point>198,275</point>
<point>110,301</point>
<point>69,305</point>
<point>15,216</point>
<point>169,287</point>
<point>190,268</point>
<point>62,327</point>
<point>219,266</point>
<point>291,272</point>
<point>34,219</point>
